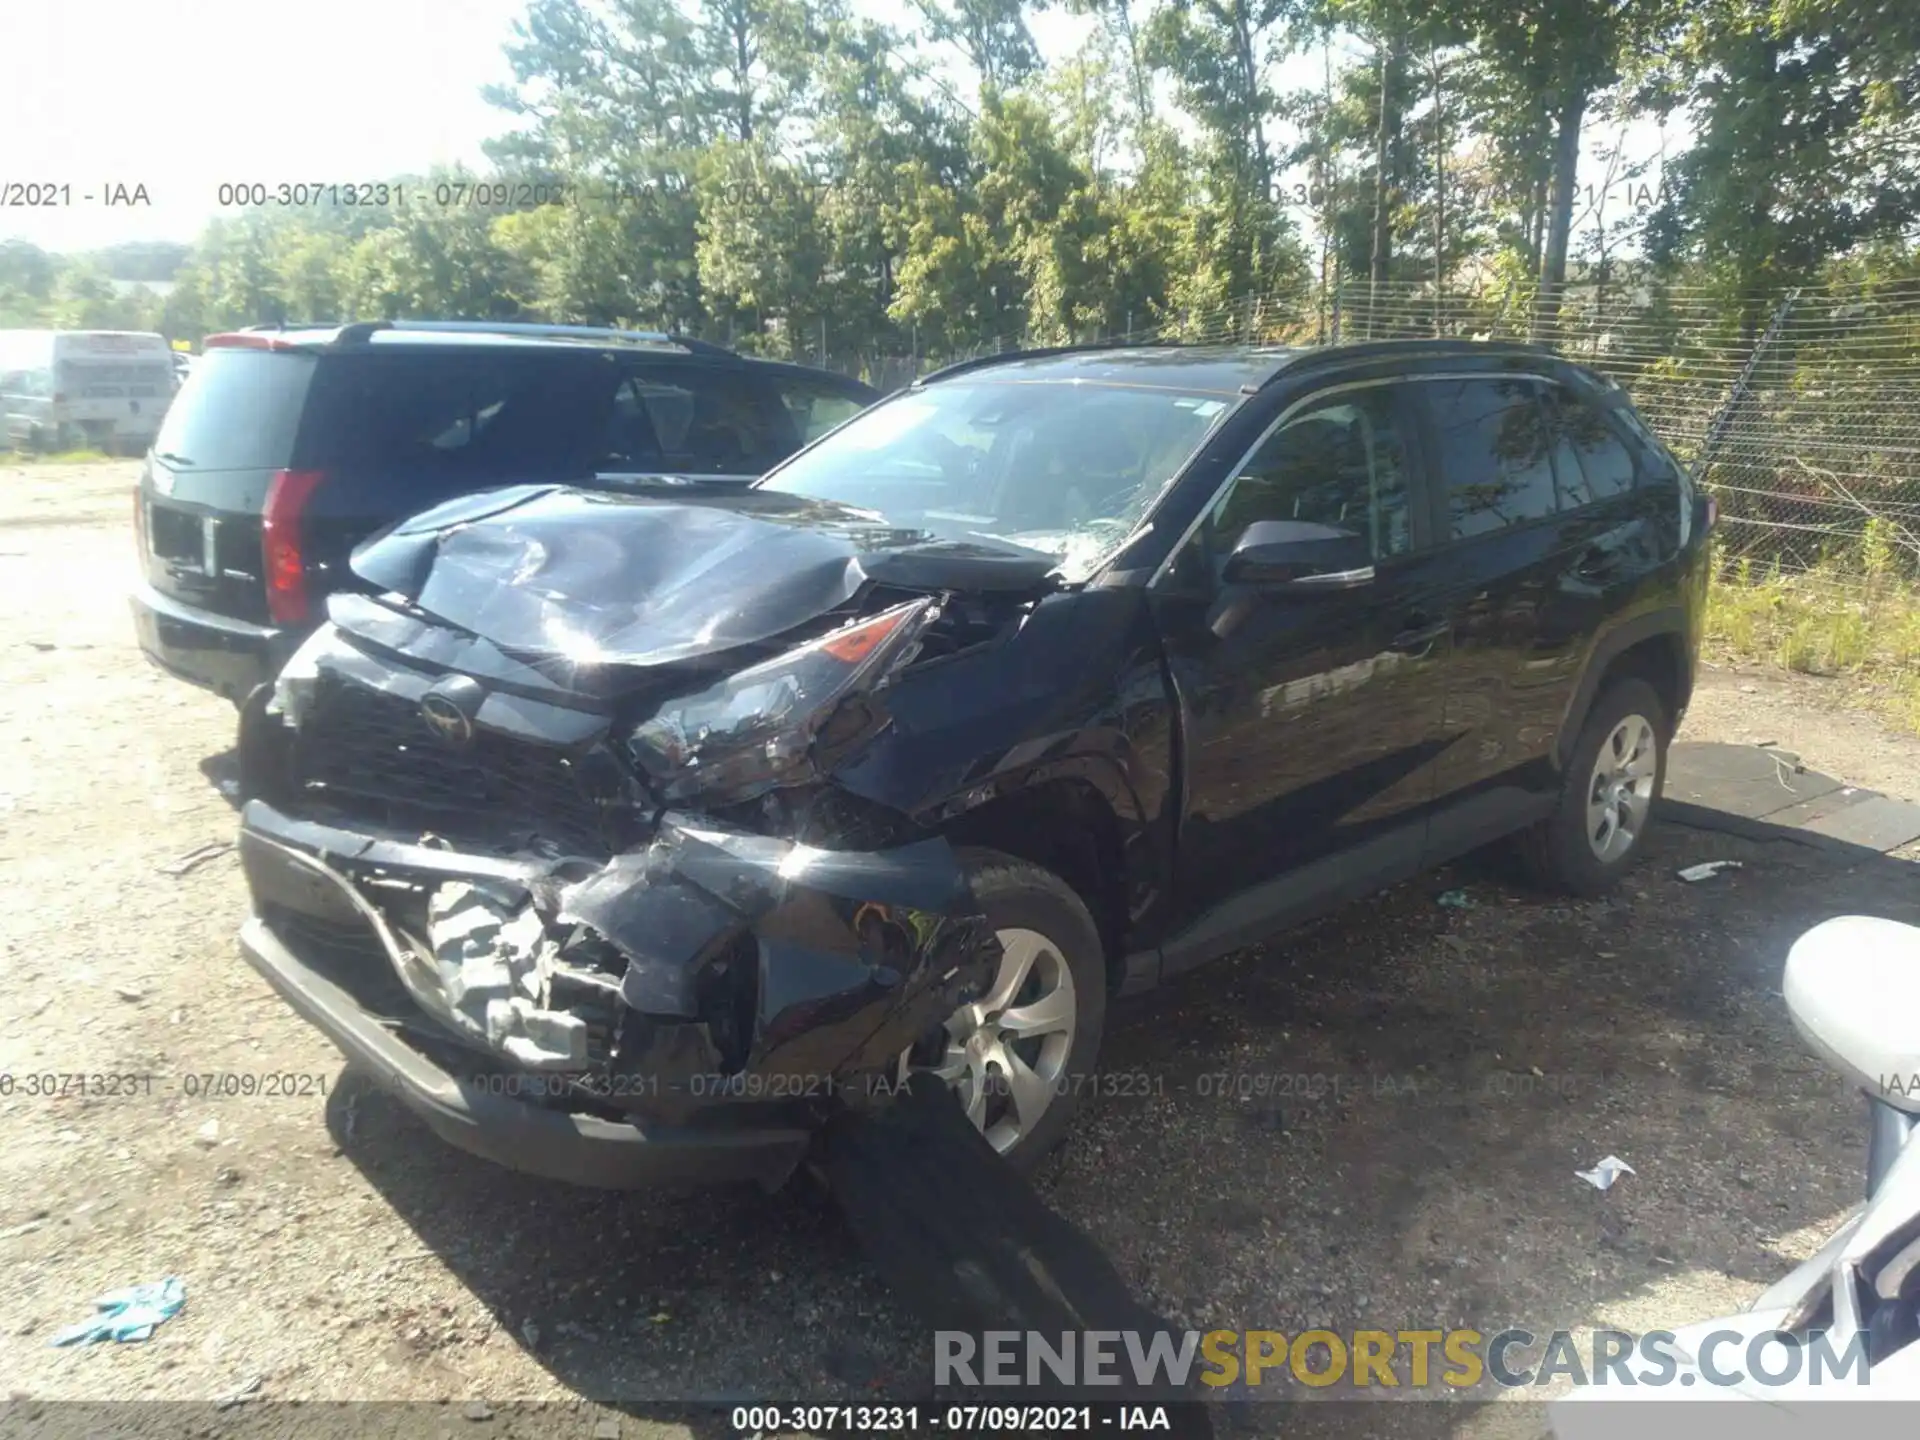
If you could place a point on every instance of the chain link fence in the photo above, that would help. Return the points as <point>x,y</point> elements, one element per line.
<point>1812,397</point>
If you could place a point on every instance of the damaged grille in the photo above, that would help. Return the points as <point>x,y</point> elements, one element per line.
<point>371,755</point>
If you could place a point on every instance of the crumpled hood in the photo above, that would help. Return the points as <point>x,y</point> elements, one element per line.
<point>638,580</point>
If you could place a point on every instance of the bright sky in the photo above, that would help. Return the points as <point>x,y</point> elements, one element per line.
<point>182,98</point>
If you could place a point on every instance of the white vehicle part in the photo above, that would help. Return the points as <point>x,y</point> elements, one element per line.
<point>1852,986</point>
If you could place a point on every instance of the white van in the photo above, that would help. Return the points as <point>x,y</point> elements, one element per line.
<point>71,389</point>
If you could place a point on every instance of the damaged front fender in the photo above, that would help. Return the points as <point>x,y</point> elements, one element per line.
<point>708,965</point>
<point>845,957</point>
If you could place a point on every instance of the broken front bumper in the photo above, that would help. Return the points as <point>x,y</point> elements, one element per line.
<point>698,1005</point>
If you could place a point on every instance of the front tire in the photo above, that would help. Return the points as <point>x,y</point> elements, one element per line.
<point>1019,1057</point>
<point>1613,778</point>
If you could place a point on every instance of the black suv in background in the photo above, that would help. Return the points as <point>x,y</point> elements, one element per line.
<point>622,835</point>
<point>284,448</point>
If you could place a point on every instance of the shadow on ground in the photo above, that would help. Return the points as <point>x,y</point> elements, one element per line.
<point>1373,1123</point>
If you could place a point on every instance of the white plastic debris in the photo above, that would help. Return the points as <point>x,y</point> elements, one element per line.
<point>241,1393</point>
<point>1708,870</point>
<point>1602,1176</point>
<point>208,1134</point>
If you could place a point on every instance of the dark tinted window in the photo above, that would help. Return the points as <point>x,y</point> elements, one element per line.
<point>1494,452</point>
<point>816,406</point>
<point>479,414</point>
<point>1340,462</point>
<point>699,421</point>
<point>1593,461</point>
<point>239,410</point>
<point>1660,459</point>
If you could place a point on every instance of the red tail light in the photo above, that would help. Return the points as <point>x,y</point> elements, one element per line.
<point>1713,512</point>
<point>280,544</point>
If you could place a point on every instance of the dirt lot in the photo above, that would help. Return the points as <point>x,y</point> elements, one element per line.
<point>1421,1084</point>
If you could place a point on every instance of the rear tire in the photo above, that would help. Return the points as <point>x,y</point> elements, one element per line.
<point>1613,778</point>
<point>1019,1057</point>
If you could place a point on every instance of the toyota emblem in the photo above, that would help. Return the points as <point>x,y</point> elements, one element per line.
<point>445,718</point>
<point>449,708</point>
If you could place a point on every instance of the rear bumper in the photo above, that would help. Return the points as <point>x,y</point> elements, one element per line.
<point>556,1145</point>
<point>216,652</point>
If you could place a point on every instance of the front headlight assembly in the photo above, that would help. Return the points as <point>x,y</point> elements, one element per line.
<point>757,729</point>
<point>293,686</point>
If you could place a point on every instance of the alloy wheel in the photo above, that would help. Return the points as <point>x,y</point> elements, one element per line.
<point>1005,1055</point>
<point>1620,792</point>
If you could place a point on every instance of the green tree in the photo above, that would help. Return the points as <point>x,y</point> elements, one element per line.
<point>1807,140</point>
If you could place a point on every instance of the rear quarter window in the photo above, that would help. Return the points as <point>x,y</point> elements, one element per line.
<point>1593,461</point>
<point>1661,460</point>
<point>817,407</point>
<point>699,419</point>
<point>459,416</point>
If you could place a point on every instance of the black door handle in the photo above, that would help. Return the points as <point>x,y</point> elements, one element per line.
<point>1597,564</point>
<point>1418,637</point>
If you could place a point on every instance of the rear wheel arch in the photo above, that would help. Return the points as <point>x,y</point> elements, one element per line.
<point>1654,649</point>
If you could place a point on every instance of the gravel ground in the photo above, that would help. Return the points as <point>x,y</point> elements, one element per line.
<point>1414,1087</point>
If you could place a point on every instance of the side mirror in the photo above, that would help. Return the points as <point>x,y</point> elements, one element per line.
<point>1298,553</point>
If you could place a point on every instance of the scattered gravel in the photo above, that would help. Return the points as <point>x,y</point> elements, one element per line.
<point>1375,1122</point>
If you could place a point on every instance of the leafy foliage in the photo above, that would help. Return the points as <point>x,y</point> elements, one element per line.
<point>800,179</point>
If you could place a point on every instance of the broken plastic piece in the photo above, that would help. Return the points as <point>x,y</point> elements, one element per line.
<point>1602,1176</point>
<point>489,976</point>
<point>194,859</point>
<point>241,1393</point>
<point>128,1315</point>
<point>1456,900</point>
<point>1708,869</point>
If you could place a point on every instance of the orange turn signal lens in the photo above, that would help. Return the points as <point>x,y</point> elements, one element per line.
<point>856,643</point>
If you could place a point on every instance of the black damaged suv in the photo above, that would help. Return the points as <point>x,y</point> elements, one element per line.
<point>625,835</point>
<point>285,447</point>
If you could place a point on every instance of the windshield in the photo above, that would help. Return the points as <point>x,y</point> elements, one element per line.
<point>1065,467</point>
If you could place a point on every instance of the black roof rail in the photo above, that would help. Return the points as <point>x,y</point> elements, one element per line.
<point>357,332</point>
<point>960,367</point>
<point>705,347</point>
<point>1314,356</point>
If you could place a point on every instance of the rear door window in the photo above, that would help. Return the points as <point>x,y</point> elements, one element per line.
<point>239,410</point>
<point>1494,447</point>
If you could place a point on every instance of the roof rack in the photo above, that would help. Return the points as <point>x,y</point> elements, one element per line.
<point>359,331</point>
<point>1415,344</point>
<point>960,367</point>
